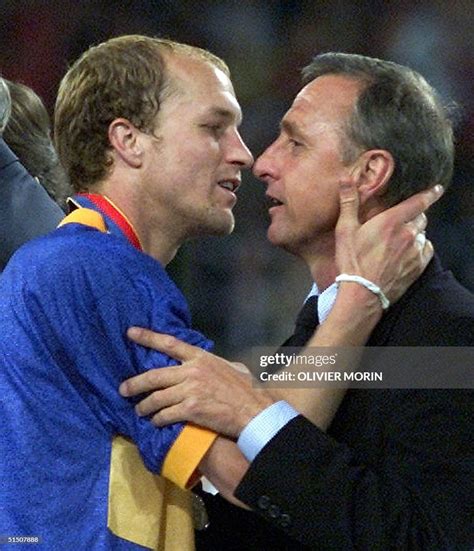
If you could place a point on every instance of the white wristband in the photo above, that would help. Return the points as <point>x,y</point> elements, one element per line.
<point>368,285</point>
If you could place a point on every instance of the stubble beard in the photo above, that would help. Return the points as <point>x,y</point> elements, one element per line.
<point>212,223</point>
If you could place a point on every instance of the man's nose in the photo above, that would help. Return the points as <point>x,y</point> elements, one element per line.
<point>265,165</point>
<point>241,154</point>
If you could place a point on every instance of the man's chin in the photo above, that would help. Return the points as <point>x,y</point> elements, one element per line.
<point>219,227</point>
<point>275,238</point>
<point>284,241</point>
<point>226,225</point>
<point>226,231</point>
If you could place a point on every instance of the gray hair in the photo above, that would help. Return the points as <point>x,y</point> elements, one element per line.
<point>397,110</point>
<point>5,105</point>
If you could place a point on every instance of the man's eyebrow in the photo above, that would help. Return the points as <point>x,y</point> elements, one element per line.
<point>291,128</point>
<point>226,114</point>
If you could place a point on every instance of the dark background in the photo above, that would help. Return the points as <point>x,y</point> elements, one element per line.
<point>242,291</point>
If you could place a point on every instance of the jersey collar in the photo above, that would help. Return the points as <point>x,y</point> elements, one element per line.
<point>117,222</point>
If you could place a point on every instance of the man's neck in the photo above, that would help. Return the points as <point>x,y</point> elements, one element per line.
<point>157,242</point>
<point>320,257</point>
<point>321,262</point>
<point>323,271</point>
<point>159,246</point>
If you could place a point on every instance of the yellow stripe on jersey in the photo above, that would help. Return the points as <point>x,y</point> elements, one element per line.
<point>87,217</point>
<point>182,460</point>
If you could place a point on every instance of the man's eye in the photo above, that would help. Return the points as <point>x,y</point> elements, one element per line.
<point>294,143</point>
<point>214,128</point>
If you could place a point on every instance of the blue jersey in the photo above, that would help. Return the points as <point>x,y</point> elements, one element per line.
<point>67,300</point>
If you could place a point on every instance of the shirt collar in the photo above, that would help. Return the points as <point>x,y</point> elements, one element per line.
<point>116,221</point>
<point>326,300</point>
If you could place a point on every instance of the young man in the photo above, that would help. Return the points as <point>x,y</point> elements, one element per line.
<point>147,131</point>
<point>394,469</point>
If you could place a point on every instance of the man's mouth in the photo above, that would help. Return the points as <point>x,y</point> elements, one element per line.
<point>230,185</point>
<point>273,202</point>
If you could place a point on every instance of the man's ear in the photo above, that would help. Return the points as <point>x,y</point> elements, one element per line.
<point>125,141</point>
<point>373,170</point>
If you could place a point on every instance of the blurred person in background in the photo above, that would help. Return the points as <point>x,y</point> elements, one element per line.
<point>26,209</point>
<point>5,105</point>
<point>388,469</point>
<point>28,134</point>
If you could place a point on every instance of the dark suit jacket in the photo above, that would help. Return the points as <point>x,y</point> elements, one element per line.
<point>26,210</point>
<point>395,470</point>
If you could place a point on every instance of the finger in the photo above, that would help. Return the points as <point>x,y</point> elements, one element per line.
<point>242,368</point>
<point>158,400</point>
<point>167,344</point>
<point>416,204</point>
<point>349,206</point>
<point>151,380</point>
<point>419,223</point>
<point>167,416</point>
<point>428,252</point>
<point>420,240</point>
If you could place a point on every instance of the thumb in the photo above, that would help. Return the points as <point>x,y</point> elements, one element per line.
<point>349,207</point>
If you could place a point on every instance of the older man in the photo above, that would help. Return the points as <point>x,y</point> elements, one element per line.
<point>395,468</point>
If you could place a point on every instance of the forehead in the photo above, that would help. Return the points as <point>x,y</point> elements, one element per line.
<point>327,100</point>
<point>202,87</point>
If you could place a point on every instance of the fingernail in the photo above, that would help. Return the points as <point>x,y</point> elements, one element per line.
<point>123,389</point>
<point>439,189</point>
<point>133,332</point>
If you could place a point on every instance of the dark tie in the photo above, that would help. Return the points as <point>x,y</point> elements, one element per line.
<point>306,323</point>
